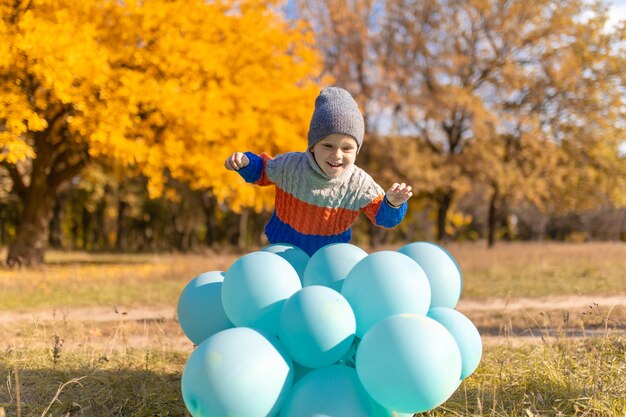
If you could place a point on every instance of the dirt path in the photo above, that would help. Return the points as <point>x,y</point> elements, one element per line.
<point>103,314</point>
<point>89,314</point>
<point>143,327</point>
<point>569,302</point>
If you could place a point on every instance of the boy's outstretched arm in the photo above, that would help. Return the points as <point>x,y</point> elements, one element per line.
<point>398,194</point>
<point>389,209</point>
<point>250,166</point>
<point>236,161</point>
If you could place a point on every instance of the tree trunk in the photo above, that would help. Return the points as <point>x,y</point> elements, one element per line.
<point>98,235</point>
<point>55,235</point>
<point>85,226</point>
<point>183,241</point>
<point>58,160</point>
<point>243,228</point>
<point>540,229</point>
<point>257,227</point>
<point>376,235</point>
<point>32,233</point>
<point>492,218</point>
<point>444,201</point>
<point>74,232</point>
<point>3,222</point>
<point>209,205</point>
<point>121,241</point>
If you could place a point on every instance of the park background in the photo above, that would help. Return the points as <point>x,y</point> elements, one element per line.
<point>506,118</point>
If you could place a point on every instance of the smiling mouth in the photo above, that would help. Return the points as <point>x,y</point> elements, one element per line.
<point>334,165</point>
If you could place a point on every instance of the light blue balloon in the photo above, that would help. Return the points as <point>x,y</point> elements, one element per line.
<point>330,265</point>
<point>292,254</point>
<point>332,391</point>
<point>200,311</point>
<point>409,363</point>
<point>466,336</point>
<point>255,288</point>
<point>236,372</point>
<point>384,284</point>
<point>444,274</point>
<point>317,326</point>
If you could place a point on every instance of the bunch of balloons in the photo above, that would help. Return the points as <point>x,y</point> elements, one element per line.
<point>339,334</point>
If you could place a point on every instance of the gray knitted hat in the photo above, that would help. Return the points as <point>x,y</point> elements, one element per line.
<point>336,112</point>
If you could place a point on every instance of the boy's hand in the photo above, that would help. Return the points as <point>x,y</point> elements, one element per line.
<point>236,161</point>
<point>398,194</point>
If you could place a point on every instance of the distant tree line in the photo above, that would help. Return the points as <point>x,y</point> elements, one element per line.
<point>97,213</point>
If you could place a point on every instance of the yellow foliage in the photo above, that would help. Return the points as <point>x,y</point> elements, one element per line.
<point>456,221</point>
<point>157,86</point>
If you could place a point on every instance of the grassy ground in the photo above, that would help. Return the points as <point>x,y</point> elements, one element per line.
<point>128,367</point>
<point>583,377</point>
<point>508,270</point>
<point>534,270</point>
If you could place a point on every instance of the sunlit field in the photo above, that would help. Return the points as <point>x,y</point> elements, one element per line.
<point>508,270</point>
<point>96,335</point>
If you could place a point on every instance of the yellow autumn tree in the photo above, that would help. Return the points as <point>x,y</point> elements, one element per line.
<point>160,87</point>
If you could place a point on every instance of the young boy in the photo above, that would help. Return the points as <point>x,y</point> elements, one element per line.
<point>320,192</point>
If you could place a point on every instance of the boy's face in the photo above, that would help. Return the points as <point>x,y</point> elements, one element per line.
<point>335,153</point>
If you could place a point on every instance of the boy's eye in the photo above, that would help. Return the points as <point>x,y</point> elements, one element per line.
<point>328,145</point>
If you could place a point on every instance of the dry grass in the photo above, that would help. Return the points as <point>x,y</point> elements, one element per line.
<point>82,368</point>
<point>104,280</point>
<point>537,270</point>
<point>554,377</point>
<point>508,270</point>
<point>544,376</point>
<point>130,383</point>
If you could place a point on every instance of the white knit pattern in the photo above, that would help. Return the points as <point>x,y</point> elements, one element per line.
<point>298,174</point>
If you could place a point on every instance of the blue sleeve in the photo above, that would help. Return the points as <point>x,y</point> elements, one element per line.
<point>388,216</point>
<point>254,170</point>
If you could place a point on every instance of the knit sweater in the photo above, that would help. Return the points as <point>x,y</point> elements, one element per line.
<point>312,209</point>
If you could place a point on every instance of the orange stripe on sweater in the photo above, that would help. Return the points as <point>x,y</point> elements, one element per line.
<point>311,219</point>
<point>372,208</point>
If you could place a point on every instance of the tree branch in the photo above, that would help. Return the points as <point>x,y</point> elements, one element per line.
<point>63,170</point>
<point>429,141</point>
<point>19,8</point>
<point>19,187</point>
